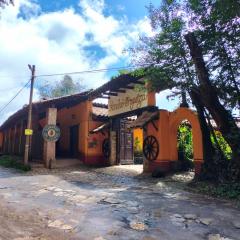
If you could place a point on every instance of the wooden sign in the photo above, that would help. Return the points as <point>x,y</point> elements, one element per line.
<point>131,100</point>
<point>51,133</point>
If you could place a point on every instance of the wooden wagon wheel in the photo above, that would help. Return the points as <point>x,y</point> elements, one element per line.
<point>150,148</point>
<point>106,148</point>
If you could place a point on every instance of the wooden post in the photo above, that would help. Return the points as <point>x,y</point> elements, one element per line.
<point>49,148</point>
<point>29,123</point>
<point>5,142</point>
<point>14,139</point>
<point>113,147</point>
<point>9,141</point>
<point>20,138</point>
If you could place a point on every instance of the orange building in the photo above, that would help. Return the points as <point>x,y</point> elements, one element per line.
<point>99,134</point>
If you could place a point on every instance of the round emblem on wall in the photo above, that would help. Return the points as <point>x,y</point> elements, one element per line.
<point>51,133</point>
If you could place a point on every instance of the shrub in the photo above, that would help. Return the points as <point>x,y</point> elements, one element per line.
<point>222,190</point>
<point>13,162</point>
<point>185,147</point>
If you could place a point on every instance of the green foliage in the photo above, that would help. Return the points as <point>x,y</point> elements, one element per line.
<point>220,39</point>
<point>185,147</point>
<point>225,148</point>
<point>13,162</point>
<point>137,145</point>
<point>63,88</point>
<point>216,26</point>
<point>225,190</point>
<point>123,71</point>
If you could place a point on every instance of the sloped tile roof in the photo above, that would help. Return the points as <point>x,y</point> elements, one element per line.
<point>144,119</point>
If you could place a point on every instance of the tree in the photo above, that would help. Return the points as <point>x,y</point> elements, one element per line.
<point>65,87</point>
<point>220,40</point>
<point>210,99</point>
<point>196,49</point>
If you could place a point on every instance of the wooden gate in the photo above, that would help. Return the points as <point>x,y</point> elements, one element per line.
<point>125,143</point>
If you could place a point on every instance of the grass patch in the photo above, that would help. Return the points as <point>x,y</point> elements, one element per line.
<point>220,190</point>
<point>13,162</point>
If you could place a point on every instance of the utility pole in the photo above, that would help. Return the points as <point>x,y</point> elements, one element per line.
<point>28,131</point>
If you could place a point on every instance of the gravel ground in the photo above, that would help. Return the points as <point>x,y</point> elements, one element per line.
<point>112,203</point>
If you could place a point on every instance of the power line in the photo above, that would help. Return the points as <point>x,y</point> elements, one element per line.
<point>84,71</point>
<point>92,71</point>
<point>95,70</point>
<point>87,71</point>
<point>4,107</point>
<point>70,73</point>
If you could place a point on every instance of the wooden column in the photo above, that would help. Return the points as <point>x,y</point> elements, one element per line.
<point>14,139</point>
<point>9,141</point>
<point>113,147</point>
<point>20,138</point>
<point>5,142</point>
<point>49,148</point>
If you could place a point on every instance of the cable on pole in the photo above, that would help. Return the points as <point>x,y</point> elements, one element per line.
<point>4,107</point>
<point>94,70</point>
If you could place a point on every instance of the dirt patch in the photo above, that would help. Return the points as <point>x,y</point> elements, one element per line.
<point>17,225</point>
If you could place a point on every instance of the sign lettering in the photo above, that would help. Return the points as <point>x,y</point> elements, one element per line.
<point>128,101</point>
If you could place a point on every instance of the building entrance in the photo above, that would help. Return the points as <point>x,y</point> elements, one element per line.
<point>125,143</point>
<point>74,139</point>
<point>128,142</point>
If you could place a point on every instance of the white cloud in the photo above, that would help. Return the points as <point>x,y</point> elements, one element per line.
<point>55,42</point>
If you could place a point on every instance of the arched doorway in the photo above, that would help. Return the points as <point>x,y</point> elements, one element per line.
<point>185,147</point>
<point>176,118</point>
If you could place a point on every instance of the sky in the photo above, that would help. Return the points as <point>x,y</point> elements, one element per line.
<point>67,36</point>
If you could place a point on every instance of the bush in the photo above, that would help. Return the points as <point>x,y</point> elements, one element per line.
<point>185,147</point>
<point>225,148</point>
<point>13,162</point>
<point>223,190</point>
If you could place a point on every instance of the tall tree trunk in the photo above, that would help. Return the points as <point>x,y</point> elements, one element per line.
<point>222,116</point>
<point>208,149</point>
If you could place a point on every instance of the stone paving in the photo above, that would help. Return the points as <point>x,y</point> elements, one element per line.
<point>116,203</point>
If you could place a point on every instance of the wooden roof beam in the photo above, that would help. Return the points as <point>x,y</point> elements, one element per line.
<point>104,97</point>
<point>129,87</point>
<point>120,91</point>
<point>111,93</point>
<point>140,82</point>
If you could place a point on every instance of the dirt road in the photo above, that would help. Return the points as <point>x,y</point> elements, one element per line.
<point>108,203</point>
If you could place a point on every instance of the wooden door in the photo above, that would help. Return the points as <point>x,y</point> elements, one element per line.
<point>126,143</point>
<point>74,139</point>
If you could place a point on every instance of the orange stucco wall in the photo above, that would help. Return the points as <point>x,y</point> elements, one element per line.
<point>89,146</point>
<point>68,117</point>
<point>138,135</point>
<point>94,151</point>
<point>168,124</point>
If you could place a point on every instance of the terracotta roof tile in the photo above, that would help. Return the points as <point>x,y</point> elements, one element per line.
<point>100,109</point>
<point>144,119</point>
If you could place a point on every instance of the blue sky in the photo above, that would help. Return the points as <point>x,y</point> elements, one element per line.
<point>67,36</point>
<point>133,9</point>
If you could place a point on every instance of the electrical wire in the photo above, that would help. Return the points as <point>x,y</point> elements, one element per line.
<point>71,73</point>
<point>19,91</point>
<point>95,70</point>
<point>84,71</point>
